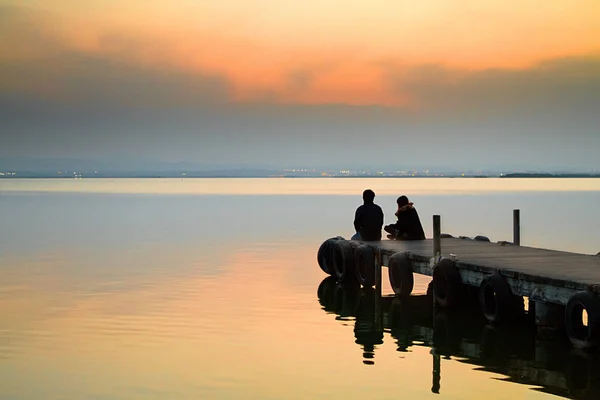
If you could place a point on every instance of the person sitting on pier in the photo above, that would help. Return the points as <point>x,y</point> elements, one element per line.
<point>408,226</point>
<point>368,219</point>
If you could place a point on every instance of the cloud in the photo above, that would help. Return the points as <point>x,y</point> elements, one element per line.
<point>118,99</point>
<point>301,79</point>
<point>52,70</point>
<point>567,86</point>
<point>133,69</point>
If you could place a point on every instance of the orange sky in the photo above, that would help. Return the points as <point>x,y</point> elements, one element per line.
<point>314,51</point>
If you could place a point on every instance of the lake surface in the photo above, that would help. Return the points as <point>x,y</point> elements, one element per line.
<point>209,289</point>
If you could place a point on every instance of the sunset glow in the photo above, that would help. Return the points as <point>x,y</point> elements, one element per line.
<point>309,52</point>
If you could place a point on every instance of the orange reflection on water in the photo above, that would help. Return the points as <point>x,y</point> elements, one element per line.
<point>252,329</point>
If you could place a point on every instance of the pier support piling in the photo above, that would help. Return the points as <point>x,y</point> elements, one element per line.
<point>549,318</point>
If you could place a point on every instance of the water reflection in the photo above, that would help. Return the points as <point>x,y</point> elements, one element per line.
<point>515,352</point>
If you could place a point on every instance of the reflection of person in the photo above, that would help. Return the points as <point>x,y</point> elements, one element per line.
<point>368,219</point>
<point>408,226</point>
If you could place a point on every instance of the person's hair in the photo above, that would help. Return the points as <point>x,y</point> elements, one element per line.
<point>368,195</point>
<point>402,201</point>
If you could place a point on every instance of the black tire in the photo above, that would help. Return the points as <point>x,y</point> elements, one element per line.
<point>581,336</point>
<point>498,303</point>
<point>364,258</point>
<point>325,256</point>
<point>343,261</point>
<point>447,283</point>
<point>401,274</point>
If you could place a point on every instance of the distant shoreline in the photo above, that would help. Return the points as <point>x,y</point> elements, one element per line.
<point>25,175</point>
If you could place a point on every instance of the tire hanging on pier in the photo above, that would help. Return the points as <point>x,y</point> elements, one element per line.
<point>343,261</point>
<point>401,274</point>
<point>497,301</point>
<point>581,335</point>
<point>325,255</point>
<point>447,283</point>
<point>364,258</point>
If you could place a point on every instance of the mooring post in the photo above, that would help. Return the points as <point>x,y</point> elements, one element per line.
<point>437,250</point>
<point>517,227</point>
<point>437,232</point>
<point>549,319</point>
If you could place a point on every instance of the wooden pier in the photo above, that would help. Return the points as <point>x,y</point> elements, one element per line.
<point>562,288</point>
<point>540,274</point>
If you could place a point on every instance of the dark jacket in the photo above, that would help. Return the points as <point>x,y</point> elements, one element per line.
<point>368,221</point>
<point>408,226</point>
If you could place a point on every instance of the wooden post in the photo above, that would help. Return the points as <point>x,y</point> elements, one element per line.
<point>517,227</point>
<point>437,231</point>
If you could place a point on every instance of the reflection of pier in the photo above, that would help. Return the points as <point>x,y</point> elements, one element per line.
<point>464,335</point>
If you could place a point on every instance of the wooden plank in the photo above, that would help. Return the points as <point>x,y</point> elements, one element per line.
<point>536,265</point>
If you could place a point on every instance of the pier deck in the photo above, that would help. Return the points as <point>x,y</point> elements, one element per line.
<point>541,274</point>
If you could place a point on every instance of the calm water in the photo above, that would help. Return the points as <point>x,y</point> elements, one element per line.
<point>209,289</point>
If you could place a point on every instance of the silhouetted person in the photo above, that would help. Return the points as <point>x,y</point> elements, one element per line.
<point>408,226</point>
<point>368,218</point>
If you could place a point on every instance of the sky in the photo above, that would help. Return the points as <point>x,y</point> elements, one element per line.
<point>355,84</point>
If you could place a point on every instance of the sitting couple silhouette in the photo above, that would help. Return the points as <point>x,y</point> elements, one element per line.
<point>368,220</point>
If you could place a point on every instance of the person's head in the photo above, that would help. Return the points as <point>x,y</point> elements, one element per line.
<point>402,201</point>
<point>368,196</point>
